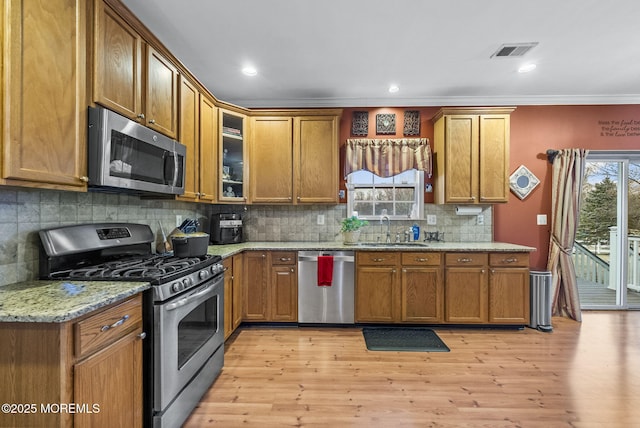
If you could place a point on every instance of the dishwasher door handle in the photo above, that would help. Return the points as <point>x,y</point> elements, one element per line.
<point>335,258</point>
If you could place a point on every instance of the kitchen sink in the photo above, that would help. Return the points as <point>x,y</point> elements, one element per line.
<point>393,244</point>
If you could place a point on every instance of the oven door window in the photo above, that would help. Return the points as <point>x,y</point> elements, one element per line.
<point>196,328</point>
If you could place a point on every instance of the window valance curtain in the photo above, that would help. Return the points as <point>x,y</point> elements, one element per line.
<point>387,157</point>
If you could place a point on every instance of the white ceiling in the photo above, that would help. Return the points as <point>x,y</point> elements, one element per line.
<point>346,53</point>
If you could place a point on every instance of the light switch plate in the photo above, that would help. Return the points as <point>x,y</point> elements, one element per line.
<point>542,219</point>
<point>320,219</point>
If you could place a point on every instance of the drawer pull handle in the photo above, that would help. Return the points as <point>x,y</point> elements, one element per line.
<point>421,259</point>
<point>465,260</point>
<point>115,324</point>
<point>285,259</point>
<point>380,259</point>
<point>510,260</point>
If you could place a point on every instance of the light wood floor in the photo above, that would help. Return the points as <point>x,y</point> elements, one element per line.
<point>580,375</point>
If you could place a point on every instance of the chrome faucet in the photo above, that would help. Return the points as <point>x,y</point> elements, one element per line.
<point>388,227</point>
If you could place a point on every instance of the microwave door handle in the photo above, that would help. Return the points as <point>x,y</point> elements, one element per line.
<point>170,169</point>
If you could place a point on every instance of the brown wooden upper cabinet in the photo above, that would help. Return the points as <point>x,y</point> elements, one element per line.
<point>43,95</point>
<point>471,155</point>
<point>294,156</point>
<point>130,77</point>
<point>198,132</point>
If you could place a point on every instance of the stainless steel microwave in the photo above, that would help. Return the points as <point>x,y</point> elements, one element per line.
<point>125,155</point>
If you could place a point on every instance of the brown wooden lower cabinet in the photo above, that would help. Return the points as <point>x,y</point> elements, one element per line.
<point>442,288</point>
<point>398,287</point>
<point>271,286</point>
<point>422,287</point>
<point>233,304</point>
<point>509,294</point>
<point>53,364</point>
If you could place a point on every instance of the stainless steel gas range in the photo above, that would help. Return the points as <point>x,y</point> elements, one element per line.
<point>183,310</point>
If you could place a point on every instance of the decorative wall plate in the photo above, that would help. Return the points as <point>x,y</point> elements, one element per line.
<point>522,182</point>
<point>412,122</point>
<point>386,123</point>
<point>360,123</point>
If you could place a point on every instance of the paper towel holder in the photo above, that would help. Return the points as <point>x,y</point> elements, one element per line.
<point>468,210</point>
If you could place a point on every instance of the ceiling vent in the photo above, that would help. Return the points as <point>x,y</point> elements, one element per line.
<point>513,50</point>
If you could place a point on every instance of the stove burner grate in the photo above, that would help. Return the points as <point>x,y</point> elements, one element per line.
<point>153,267</point>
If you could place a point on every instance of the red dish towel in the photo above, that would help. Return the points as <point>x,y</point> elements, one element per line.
<point>325,271</point>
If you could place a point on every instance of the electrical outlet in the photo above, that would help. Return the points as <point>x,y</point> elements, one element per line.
<point>542,219</point>
<point>480,219</point>
<point>431,219</point>
<point>178,220</point>
<point>320,219</point>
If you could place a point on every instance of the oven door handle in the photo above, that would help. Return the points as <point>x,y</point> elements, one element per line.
<point>185,300</point>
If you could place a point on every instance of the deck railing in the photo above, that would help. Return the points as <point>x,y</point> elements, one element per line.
<point>633,277</point>
<point>591,267</point>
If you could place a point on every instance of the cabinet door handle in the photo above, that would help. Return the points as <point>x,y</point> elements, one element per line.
<point>115,324</point>
<point>140,116</point>
<point>152,121</point>
<point>292,270</point>
<point>84,179</point>
<point>393,271</point>
<point>142,335</point>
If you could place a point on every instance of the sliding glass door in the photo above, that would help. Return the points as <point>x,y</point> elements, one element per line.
<point>607,248</point>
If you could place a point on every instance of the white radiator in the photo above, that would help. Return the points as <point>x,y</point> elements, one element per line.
<point>540,300</point>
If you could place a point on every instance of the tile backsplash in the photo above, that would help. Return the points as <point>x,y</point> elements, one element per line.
<point>299,223</point>
<point>23,212</point>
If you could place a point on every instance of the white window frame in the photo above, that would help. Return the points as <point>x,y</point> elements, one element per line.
<point>417,213</point>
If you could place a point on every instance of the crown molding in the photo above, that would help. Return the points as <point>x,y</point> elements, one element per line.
<point>440,101</point>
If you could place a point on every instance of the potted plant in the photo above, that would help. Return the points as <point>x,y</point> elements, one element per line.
<point>351,229</point>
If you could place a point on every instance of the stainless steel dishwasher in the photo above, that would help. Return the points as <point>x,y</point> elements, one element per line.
<point>332,304</point>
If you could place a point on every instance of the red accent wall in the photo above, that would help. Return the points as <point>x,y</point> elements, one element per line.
<point>534,129</point>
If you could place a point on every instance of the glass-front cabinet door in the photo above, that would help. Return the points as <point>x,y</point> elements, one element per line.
<point>232,172</point>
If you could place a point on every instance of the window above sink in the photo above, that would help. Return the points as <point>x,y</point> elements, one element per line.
<point>400,197</point>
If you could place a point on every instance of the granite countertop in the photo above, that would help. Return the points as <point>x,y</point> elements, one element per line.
<point>59,301</point>
<point>231,249</point>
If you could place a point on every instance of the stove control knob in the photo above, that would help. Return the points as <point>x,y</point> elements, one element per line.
<point>186,283</point>
<point>203,274</point>
<point>175,287</point>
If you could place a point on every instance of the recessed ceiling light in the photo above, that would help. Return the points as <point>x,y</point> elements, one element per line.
<point>527,68</point>
<point>249,71</point>
<point>394,88</point>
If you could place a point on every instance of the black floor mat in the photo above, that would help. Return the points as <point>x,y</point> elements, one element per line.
<point>403,339</point>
